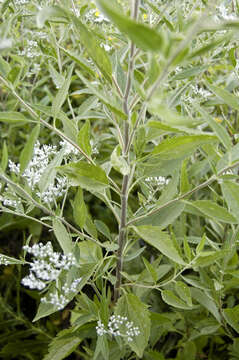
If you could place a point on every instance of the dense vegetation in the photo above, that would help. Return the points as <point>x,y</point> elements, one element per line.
<point>119,193</point>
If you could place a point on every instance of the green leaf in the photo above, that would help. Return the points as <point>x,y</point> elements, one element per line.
<point>79,209</point>
<point>84,138</point>
<point>102,348</point>
<point>228,98</point>
<point>4,67</point>
<point>171,299</point>
<point>187,249</point>
<point>93,48</point>
<point>151,270</point>
<point>229,158</point>
<point>103,229</point>
<point>191,72</point>
<point>27,152</point>
<point>207,302</point>
<point>130,306</point>
<point>69,126</point>
<point>102,98</point>
<point>52,13</point>
<point>62,236</point>
<point>7,260</point>
<point>218,129</point>
<point>118,162</point>
<point>57,78</point>
<point>184,292</point>
<point>168,116</point>
<point>4,160</point>
<point>232,317</point>
<point>201,244</point>
<point>230,192</point>
<point>62,94</point>
<point>214,211</point>
<point>181,147</point>
<point>12,117</point>
<point>63,345</point>
<point>143,36</point>
<point>80,60</point>
<point>48,175</point>
<point>165,216</point>
<point>207,258</point>
<point>85,272</point>
<point>160,240</point>
<point>209,46</point>
<point>184,182</point>
<point>88,176</point>
<point>189,351</point>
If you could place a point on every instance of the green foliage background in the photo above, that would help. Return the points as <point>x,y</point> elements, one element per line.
<point>149,101</point>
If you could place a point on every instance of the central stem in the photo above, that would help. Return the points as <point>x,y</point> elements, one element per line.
<point>125,182</point>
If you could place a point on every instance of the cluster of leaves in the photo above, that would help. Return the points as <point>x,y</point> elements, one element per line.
<point>148,99</point>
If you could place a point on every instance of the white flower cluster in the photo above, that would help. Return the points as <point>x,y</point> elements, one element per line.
<point>106,47</point>
<point>6,201</point>
<point>61,300</point>
<point>157,180</point>
<point>21,2</point>
<point>118,326</point>
<point>46,266</point>
<point>68,148</point>
<point>58,300</point>
<point>224,13</point>
<point>42,156</point>
<point>4,260</point>
<point>201,92</point>
<point>31,50</point>
<point>73,287</point>
<point>96,17</point>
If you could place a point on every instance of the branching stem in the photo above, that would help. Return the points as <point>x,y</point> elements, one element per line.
<point>125,182</point>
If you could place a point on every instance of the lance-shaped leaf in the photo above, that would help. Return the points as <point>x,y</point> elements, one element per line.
<point>51,13</point>
<point>12,117</point>
<point>102,98</point>
<point>62,236</point>
<point>143,36</point>
<point>228,98</point>
<point>63,345</point>
<point>171,299</point>
<point>232,317</point>
<point>218,129</point>
<point>84,138</point>
<point>62,94</point>
<point>79,208</point>
<point>88,176</point>
<point>182,146</point>
<point>230,192</point>
<point>160,240</point>
<point>27,151</point>
<point>214,211</point>
<point>93,48</point>
<point>202,298</point>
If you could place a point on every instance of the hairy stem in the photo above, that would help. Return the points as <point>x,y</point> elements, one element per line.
<point>125,182</point>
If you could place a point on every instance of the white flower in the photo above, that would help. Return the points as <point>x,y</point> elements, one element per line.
<point>42,155</point>
<point>46,265</point>
<point>118,326</point>
<point>157,180</point>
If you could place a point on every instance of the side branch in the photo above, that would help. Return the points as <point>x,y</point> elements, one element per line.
<point>183,196</point>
